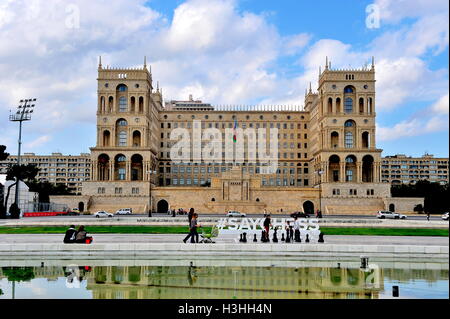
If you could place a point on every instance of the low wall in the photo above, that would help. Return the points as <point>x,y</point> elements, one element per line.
<point>249,250</point>
<point>404,204</point>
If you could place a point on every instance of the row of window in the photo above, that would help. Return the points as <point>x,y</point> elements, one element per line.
<point>247,117</point>
<point>284,126</point>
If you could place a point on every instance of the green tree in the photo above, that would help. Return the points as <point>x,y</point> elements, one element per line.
<point>435,195</point>
<point>19,273</point>
<point>21,172</point>
<point>3,156</point>
<point>45,189</point>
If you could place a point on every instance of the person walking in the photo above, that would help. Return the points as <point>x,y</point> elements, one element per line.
<point>428,216</point>
<point>190,215</point>
<point>70,235</point>
<point>193,234</point>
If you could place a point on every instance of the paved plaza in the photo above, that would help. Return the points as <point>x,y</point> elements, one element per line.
<point>177,238</point>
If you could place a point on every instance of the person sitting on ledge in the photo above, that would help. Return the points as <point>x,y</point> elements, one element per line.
<point>70,235</point>
<point>82,237</point>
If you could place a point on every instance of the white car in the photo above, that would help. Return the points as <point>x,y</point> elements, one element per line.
<point>233,213</point>
<point>124,211</point>
<point>392,215</point>
<point>445,216</point>
<point>103,214</point>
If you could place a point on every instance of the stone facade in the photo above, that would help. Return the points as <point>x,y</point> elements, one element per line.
<point>327,156</point>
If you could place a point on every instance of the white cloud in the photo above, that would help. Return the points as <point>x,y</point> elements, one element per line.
<point>209,49</point>
<point>430,120</point>
<point>393,11</point>
<point>38,141</point>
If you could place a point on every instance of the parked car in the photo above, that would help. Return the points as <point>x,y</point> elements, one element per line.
<point>103,214</point>
<point>445,216</point>
<point>299,215</point>
<point>73,213</point>
<point>391,215</point>
<point>124,211</point>
<point>233,213</point>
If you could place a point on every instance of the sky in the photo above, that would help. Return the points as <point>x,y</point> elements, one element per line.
<point>223,52</point>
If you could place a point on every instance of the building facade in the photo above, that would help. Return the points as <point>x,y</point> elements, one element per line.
<point>70,170</point>
<point>327,156</point>
<point>401,169</point>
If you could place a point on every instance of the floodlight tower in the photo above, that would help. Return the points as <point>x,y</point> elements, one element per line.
<point>23,113</point>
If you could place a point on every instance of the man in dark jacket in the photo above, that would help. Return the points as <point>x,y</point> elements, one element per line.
<point>70,235</point>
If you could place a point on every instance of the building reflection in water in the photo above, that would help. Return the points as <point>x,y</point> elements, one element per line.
<point>164,282</point>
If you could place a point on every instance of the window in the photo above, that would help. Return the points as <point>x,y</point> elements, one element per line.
<point>348,105</point>
<point>121,174</point>
<point>122,122</point>
<point>122,138</point>
<point>122,104</point>
<point>349,176</point>
<point>348,139</point>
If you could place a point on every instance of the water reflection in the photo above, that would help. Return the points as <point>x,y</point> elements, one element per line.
<point>163,282</point>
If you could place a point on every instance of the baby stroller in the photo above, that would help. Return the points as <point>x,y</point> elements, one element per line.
<point>207,238</point>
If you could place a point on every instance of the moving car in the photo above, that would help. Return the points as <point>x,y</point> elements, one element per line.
<point>445,216</point>
<point>73,213</point>
<point>124,211</point>
<point>103,214</point>
<point>233,213</point>
<point>392,215</point>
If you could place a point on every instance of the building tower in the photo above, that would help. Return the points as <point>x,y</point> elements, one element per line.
<point>345,158</point>
<point>127,132</point>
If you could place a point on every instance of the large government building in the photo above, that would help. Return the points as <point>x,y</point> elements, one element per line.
<point>327,156</point>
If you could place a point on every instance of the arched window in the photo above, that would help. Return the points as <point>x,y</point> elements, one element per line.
<point>133,104</point>
<point>123,104</point>
<point>122,88</point>
<point>122,138</point>
<point>120,167</point>
<point>136,138</point>
<point>350,168</point>
<point>369,105</point>
<point>348,105</point>
<point>365,139</point>
<point>141,104</point>
<point>122,122</point>
<point>348,139</point>
<point>338,105</point>
<point>106,138</point>
<point>334,139</point>
<point>349,123</point>
<point>348,89</point>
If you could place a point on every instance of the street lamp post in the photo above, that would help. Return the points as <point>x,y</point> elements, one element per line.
<point>150,200</point>
<point>23,113</point>
<point>320,173</point>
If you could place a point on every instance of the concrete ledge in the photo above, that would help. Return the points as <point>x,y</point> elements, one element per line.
<point>224,250</point>
<point>209,221</point>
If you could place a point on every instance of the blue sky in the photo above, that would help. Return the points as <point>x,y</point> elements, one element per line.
<point>224,52</point>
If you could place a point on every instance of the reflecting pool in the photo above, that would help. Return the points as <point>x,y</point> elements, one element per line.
<point>194,280</point>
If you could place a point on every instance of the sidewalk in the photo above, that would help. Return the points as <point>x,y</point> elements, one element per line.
<point>177,238</point>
